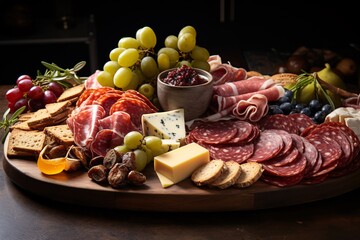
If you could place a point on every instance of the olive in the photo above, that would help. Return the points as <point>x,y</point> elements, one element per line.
<point>326,108</point>
<point>286,107</point>
<point>315,105</point>
<point>306,111</point>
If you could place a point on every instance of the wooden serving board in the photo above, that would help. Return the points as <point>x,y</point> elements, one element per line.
<point>77,188</point>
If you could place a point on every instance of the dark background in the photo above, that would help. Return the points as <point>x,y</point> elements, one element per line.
<point>247,27</point>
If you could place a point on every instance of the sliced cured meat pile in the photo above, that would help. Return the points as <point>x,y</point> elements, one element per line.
<point>321,151</point>
<point>293,123</point>
<point>104,115</point>
<point>226,139</point>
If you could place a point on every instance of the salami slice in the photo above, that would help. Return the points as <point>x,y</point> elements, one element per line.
<point>329,149</point>
<point>297,142</point>
<point>244,133</point>
<point>135,107</point>
<point>302,121</point>
<point>267,146</point>
<point>107,100</point>
<point>295,168</point>
<point>314,180</point>
<point>214,132</point>
<point>227,152</point>
<point>286,137</point>
<point>278,121</point>
<point>311,154</point>
<point>285,159</point>
<point>282,181</point>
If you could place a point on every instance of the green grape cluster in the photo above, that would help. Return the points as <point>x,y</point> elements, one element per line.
<point>135,64</point>
<point>145,148</point>
<point>183,50</point>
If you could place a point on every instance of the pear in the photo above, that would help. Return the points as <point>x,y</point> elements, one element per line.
<point>329,76</point>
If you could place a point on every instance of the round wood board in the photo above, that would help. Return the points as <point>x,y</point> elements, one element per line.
<point>77,188</point>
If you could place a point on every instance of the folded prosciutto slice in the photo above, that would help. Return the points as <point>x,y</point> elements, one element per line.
<point>252,109</point>
<point>252,84</point>
<point>272,94</point>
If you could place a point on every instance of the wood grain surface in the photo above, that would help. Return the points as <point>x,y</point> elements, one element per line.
<point>77,188</point>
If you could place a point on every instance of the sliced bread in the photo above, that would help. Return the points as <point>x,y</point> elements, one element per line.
<point>228,177</point>
<point>57,107</point>
<point>208,172</point>
<point>11,153</point>
<point>71,93</point>
<point>28,141</point>
<point>251,172</point>
<point>61,134</point>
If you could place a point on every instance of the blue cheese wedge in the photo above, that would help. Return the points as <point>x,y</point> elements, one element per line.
<point>170,144</point>
<point>166,125</point>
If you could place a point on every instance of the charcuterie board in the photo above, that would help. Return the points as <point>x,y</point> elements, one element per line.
<point>77,188</point>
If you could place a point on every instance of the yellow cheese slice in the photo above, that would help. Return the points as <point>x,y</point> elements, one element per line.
<point>180,163</point>
<point>165,182</point>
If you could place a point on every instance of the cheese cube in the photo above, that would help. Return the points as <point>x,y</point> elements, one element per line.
<point>180,163</point>
<point>166,125</point>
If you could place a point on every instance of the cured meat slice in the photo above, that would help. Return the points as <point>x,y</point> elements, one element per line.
<point>312,156</point>
<point>94,94</point>
<point>315,180</point>
<point>135,107</point>
<point>107,100</point>
<point>298,142</point>
<point>104,140</point>
<point>294,168</point>
<point>120,122</point>
<point>135,94</point>
<point>302,121</point>
<point>318,163</point>
<point>286,137</point>
<point>329,149</point>
<point>91,82</point>
<point>252,84</point>
<point>252,109</point>
<point>285,159</point>
<point>214,132</point>
<point>227,152</point>
<point>84,125</point>
<point>267,146</point>
<point>85,94</point>
<point>272,94</point>
<point>244,133</point>
<point>282,181</point>
<point>214,61</point>
<point>223,73</point>
<point>278,121</point>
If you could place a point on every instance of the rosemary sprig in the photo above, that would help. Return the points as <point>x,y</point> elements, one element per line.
<point>64,77</point>
<point>6,122</point>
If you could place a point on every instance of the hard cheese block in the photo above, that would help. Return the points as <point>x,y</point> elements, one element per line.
<point>177,165</point>
<point>166,125</point>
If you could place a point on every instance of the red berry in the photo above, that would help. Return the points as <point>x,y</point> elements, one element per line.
<point>14,94</point>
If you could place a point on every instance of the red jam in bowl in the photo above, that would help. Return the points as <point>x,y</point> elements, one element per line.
<point>183,76</point>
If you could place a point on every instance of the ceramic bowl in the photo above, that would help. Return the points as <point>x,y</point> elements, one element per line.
<point>193,99</point>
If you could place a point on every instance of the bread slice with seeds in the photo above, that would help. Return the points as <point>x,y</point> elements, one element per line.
<point>28,141</point>
<point>61,134</point>
<point>208,172</point>
<point>71,93</point>
<point>251,172</point>
<point>228,177</point>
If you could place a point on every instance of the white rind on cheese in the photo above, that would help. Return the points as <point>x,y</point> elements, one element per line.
<point>347,115</point>
<point>180,163</point>
<point>166,125</point>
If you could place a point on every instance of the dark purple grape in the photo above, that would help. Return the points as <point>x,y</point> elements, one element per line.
<point>306,111</point>
<point>21,102</point>
<point>289,94</point>
<point>35,92</point>
<point>319,116</point>
<point>286,107</point>
<point>56,88</point>
<point>25,85</point>
<point>275,109</point>
<point>315,105</point>
<point>49,97</point>
<point>283,99</point>
<point>327,108</point>
<point>300,106</point>
<point>36,104</point>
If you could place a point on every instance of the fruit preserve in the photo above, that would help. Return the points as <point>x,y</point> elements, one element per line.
<point>183,76</point>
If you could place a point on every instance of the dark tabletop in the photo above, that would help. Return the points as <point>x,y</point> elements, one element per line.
<point>25,216</point>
